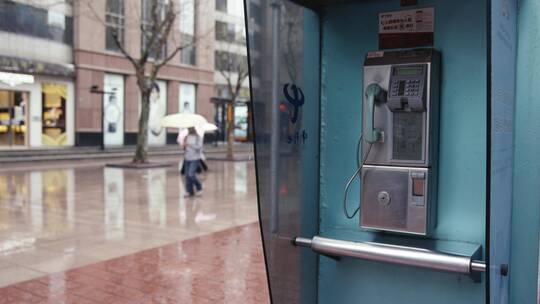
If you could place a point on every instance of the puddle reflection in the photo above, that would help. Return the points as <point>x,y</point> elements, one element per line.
<point>99,204</point>
<point>35,204</point>
<point>240,178</point>
<point>114,203</point>
<point>156,191</point>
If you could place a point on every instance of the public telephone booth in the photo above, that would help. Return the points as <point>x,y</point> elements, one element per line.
<point>389,178</point>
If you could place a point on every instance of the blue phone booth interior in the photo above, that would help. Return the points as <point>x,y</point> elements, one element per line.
<point>384,148</point>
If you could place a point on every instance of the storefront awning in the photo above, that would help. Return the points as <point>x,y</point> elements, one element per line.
<point>34,67</point>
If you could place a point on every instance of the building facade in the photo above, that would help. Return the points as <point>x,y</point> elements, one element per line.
<point>65,82</point>
<point>185,83</point>
<point>230,56</point>
<point>37,91</point>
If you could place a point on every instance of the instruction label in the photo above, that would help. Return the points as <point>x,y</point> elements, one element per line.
<point>408,28</point>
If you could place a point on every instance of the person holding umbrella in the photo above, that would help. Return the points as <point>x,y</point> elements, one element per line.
<point>192,142</point>
<point>192,157</point>
<point>201,130</point>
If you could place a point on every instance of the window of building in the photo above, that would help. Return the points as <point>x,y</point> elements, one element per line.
<point>222,91</point>
<point>235,8</point>
<point>24,19</point>
<point>224,31</point>
<point>227,61</point>
<point>187,32</point>
<point>188,53</point>
<point>56,19</point>
<point>221,5</point>
<point>146,26</point>
<point>228,32</point>
<point>114,24</point>
<point>187,17</point>
<point>255,12</point>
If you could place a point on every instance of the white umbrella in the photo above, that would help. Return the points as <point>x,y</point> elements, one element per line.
<point>209,127</point>
<point>183,120</point>
<point>206,128</point>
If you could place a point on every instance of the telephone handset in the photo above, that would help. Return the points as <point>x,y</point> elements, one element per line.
<point>374,93</point>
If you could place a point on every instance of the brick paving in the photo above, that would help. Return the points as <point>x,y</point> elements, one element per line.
<point>223,267</point>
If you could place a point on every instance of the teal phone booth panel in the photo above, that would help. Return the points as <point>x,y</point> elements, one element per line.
<point>526,209</point>
<point>349,31</point>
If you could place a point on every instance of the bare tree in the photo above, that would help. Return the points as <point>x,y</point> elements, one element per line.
<point>234,69</point>
<point>157,22</point>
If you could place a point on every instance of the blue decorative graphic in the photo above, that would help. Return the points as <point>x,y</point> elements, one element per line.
<point>296,100</point>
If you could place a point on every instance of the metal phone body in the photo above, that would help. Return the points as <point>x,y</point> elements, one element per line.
<point>399,175</point>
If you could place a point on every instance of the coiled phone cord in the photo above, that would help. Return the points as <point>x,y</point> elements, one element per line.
<point>356,173</point>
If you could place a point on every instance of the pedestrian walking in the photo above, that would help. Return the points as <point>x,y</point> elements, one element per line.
<point>192,158</point>
<point>180,140</point>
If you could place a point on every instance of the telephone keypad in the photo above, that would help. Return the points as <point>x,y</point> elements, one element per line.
<point>410,87</point>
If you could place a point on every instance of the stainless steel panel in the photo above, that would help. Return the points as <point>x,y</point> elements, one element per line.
<point>392,213</point>
<point>401,211</point>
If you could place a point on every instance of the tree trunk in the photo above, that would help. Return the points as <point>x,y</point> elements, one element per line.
<point>230,128</point>
<point>141,152</point>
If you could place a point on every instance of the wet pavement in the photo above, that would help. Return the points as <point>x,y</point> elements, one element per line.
<point>59,216</point>
<point>223,267</point>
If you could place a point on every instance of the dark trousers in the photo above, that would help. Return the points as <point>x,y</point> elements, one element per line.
<point>191,167</point>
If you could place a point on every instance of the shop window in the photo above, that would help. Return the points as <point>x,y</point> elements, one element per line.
<point>114,24</point>
<point>13,112</point>
<point>54,115</point>
<point>241,122</point>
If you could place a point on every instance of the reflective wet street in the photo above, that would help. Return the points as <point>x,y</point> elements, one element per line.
<point>62,216</point>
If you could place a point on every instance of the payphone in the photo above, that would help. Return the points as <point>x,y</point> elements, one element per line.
<point>400,141</point>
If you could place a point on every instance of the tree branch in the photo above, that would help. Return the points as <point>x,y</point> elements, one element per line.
<point>124,51</point>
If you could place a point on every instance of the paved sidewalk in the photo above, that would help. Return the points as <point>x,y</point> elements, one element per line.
<point>16,156</point>
<point>223,267</point>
